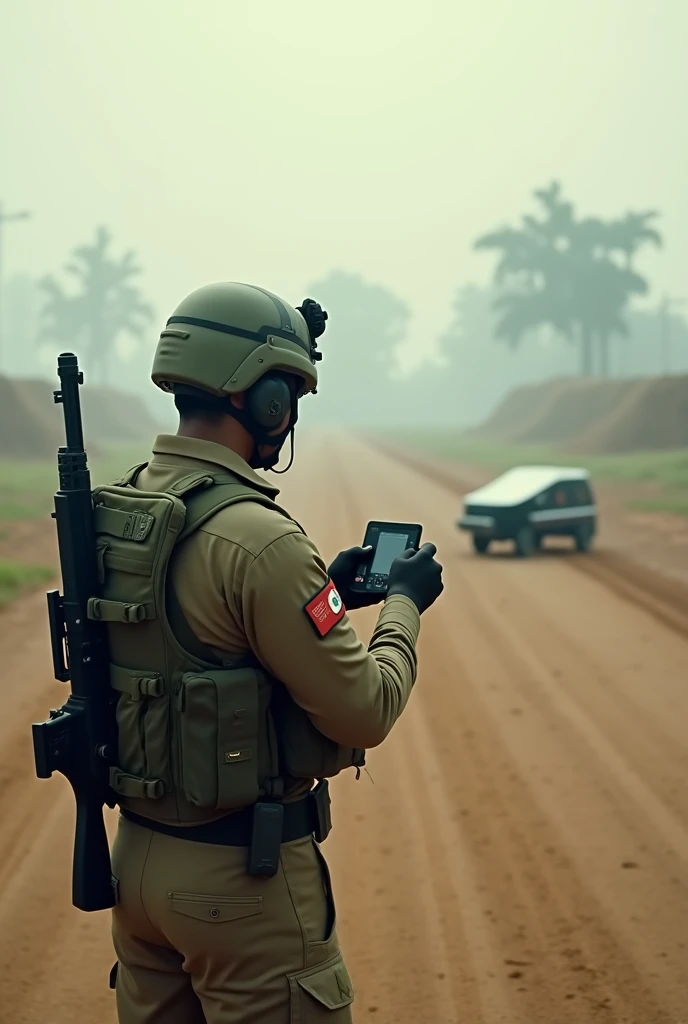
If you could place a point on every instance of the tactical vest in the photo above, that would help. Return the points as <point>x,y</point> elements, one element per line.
<point>198,735</point>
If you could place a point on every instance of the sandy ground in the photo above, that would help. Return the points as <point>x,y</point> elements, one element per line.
<point>655,540</point>
<point>518,850</point>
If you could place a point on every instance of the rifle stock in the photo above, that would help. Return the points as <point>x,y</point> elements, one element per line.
<point>77,740</point>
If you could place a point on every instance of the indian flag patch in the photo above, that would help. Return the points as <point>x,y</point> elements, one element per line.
<point>326,609</point>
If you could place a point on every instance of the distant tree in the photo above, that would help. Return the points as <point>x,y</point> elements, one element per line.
<point>632,231</point>
<point>364,312</point>
<point>22,299</point>
<point>561,272</point>
<point>107,304</point>
<point>367,323</point>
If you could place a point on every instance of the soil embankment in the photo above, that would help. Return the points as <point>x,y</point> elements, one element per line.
<point>31,425</point>
<point>595,416</point>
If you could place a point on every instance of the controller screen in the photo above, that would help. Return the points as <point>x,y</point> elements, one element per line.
<point>389,546</point>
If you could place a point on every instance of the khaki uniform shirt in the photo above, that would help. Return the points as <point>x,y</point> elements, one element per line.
<point>243,579</point>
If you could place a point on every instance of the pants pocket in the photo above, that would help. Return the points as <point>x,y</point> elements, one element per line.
<point>214,909</point>
<point>322,994</point>
<point>331,923</point>
<point>308,882</point>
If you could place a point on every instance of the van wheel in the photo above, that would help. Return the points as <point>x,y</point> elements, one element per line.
<point>525,542</point>
<point>583,537</point>
<point>481,544</point>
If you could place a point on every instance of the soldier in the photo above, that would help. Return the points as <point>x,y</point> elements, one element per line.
<point>244,687</point>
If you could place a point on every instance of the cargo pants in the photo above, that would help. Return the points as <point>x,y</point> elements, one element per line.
<point>198,941</point>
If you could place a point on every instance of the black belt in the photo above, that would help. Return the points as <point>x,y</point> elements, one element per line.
<point>307,816</point>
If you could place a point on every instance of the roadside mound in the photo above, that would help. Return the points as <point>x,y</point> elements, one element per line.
<point>595,416</point>
<point>572,407</point>
<point>112,416</point>
<point>23,434</point>
<point>519,410</point>
<point>652,416</point>
<point>31,425</point>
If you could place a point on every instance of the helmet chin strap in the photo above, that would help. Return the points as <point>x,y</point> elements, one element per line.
<point>291,455</point>
<point>277,441</point>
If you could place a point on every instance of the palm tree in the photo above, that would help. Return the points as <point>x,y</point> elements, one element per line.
<point>633,231</point>
<point>561,273</point>
<point>360,348</point>
<point>107,304</point>
<point>533,263</point>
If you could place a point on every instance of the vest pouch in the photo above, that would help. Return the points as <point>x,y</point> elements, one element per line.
<point>219,727</point>
<point>135,533</point>
<point>306,752</point>
<point>142,724</point>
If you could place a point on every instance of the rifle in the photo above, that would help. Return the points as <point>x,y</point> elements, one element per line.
<point>77,740</point>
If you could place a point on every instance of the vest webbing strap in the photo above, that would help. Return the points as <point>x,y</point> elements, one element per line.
<point>203,496</point>
<point>100,610</point>
<point>220,492</point>
<point>137,788</point>
<point>183,632</point>
<point>128,525</point>
<point>136,684</point>
<point>131,475</point>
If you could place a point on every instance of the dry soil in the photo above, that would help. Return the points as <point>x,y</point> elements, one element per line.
<point>518,849</point>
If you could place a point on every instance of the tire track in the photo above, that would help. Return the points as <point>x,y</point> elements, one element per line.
<point>575,897</point>
<point>517,851</point>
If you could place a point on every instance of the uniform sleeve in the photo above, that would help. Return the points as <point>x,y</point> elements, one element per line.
<point>353,695</point>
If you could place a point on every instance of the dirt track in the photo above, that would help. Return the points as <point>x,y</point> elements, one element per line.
<point>518,851</point>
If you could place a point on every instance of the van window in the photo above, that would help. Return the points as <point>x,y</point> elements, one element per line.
<point>579,492</point>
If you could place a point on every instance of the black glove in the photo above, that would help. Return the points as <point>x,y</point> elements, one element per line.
<point>342,573</point>
<point>416,575</point>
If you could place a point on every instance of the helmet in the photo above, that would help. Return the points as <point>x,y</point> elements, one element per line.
<point>224,337</point>
<point>228,338</point>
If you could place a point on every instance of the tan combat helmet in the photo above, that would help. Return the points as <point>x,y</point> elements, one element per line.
<point>224,337</point>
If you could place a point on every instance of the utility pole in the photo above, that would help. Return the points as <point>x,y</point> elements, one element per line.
<point>665,328</point>
<point>5,218</point>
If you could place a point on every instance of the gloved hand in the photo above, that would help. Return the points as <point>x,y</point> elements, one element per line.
<point>416,575</point>
<point>342,573</point>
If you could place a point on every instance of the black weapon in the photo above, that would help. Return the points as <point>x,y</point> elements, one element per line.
<point>77,739</point>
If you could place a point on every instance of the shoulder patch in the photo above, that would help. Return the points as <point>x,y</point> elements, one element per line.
<point>325,609</point>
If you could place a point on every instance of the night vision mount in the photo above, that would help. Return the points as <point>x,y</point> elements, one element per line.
<point>315,317</point>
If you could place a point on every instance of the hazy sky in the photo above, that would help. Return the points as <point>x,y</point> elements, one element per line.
<point>271,141</point>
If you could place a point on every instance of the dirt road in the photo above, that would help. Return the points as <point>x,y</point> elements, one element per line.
<point>518,851</point>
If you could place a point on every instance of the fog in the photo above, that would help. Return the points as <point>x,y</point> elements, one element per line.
<point>277,143</point>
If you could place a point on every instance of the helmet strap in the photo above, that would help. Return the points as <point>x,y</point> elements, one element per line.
<point>261,437</point>
<point>291,455</point>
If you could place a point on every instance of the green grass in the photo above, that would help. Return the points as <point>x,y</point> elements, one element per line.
<point>26,492</point>
<point>14,578</point>
<point>27,488</point>
<point>675,505</point>
<point>668,469</point>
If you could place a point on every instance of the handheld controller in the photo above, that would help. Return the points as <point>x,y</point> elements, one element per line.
<point>387,540</point>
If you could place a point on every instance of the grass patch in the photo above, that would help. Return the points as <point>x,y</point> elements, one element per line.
<point>668,469</point>
<point>675,505</point>
<point>15,577</point>
<point>16,511</point>
<point>27,488</point>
